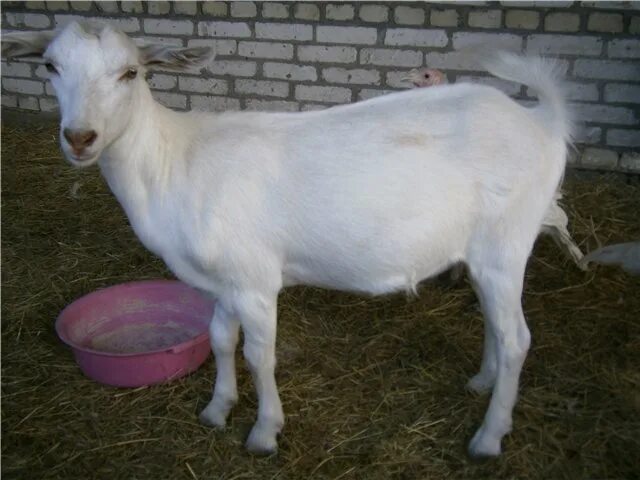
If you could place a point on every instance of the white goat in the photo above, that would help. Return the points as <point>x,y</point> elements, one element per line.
<point>370,197</point>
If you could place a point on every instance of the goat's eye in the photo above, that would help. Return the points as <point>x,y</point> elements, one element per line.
<point>129,74</point>
<point>50,68</point>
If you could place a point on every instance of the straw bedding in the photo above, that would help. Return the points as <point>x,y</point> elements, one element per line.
<point>372,387</point>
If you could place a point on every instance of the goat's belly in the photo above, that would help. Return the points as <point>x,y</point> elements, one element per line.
<point>365,273</point>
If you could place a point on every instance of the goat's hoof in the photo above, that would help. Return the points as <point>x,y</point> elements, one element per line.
<point>213,416</point>
<point>484,446</point>
<point>480,384</point>
<point>262,442</point>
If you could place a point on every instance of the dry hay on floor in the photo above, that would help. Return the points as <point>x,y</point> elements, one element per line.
<point>372,387</point>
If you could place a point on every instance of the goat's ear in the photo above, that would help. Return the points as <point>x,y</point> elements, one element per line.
<point>175,58</point>
<point>21,44</point>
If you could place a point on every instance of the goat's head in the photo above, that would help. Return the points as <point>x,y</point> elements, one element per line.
<point>98,76</point>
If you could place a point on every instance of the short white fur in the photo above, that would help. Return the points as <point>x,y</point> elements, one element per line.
<point>369,197</point>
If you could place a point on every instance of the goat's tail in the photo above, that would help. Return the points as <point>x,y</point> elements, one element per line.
<point>546,78</point>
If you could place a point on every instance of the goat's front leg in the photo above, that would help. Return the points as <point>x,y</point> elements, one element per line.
<point>223,332</point>
<point>257,313</point>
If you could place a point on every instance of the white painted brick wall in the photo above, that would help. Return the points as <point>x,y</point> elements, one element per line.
<point>215,9</point>
<point>358,35</point>
<point>367,93</point>
<point>265,88</point>
<point>288,71</point>
<point>55,5</point>
<point>304,11</point>
<point>522,19</point>
<point>623,138</point>
<point>604,69</point>
<point>28,103</point>
<point>599,158</point>
<point>160,81</point>
<point>284,31</point>
<point>444,18</point>
<point>485,19</point>
<point>220,47</point>
<point>224,29</point>
<point>185,8</point>
<point>340,12</point>
<point>624,48</point>
<point>290,56</point>
<point>271,105</point>
<point>10,101</point>
<point>353,76</point>
<point>108,6</point>
<point>235,68</point>
<point>588,134</point>
<point>621,92</point>
<point>214,104</point>
<point>509,88</point>
<point>243,9</point>
<point>323,94</point>
<point>16,69</point>
<point>275,10</point>
<point>562,22</point>
<point>630,161</point>
<point>132,7</point>
<point>588,112</point>
<point>605,22</point>
<point>203,85</point>
<point>265,50</point>
<point>452,61</point>
<point>168,27</point>
<point>564,44</point>
<point>395,79</point>
<point>155,40</point>
<point>506,41</point>
<point>27,87</point>
<point>313,53</point>
<point>578,91</point>
<point>127,25</point>
<point>393,58</point>
<point>416,37</point>
<point>31,20</point>
<point>374,13</point>
<point>312,107</point>
<point>48,104</point>
<point>158,8</point>
<point>404,15</point>
<point>171,100</point>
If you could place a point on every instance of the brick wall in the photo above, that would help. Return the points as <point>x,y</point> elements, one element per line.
<point>309,55</point>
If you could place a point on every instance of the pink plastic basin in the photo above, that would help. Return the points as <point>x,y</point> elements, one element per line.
<point>138,333</point>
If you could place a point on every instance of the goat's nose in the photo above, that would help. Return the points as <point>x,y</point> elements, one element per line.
<point>80,139</point>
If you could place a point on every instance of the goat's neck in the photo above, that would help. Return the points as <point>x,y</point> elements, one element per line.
<point>138,164</point>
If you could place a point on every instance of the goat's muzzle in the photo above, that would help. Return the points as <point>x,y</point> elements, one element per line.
<point>79,140</point>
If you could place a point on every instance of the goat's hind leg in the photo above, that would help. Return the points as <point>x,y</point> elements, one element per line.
<point>223,332</point>
<point>485,379</point>
<point>499,285</point>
